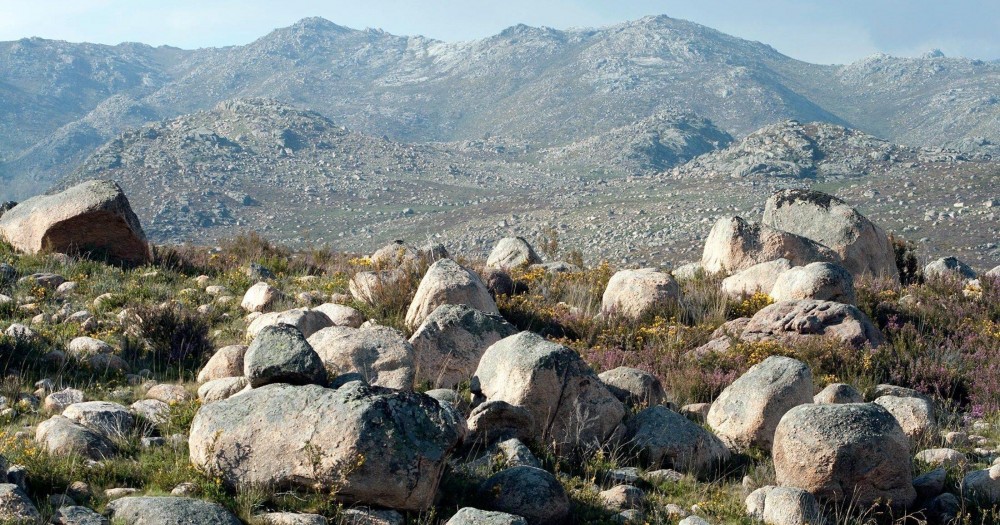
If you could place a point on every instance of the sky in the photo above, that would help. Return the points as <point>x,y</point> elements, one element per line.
<point>819,31</point>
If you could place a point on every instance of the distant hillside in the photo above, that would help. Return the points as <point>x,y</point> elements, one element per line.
<point>540,87</point>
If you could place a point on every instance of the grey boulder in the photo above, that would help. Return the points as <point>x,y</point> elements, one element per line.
<point>168,510</point>
<point>280,354</point>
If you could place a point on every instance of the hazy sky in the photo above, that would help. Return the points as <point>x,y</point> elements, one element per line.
<point>823,31</point>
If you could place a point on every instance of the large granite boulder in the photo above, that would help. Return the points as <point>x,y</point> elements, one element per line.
<point>663,438</point>
<point>449,343</point>
<point>379,354</point>
<point>735,244</point>
<point>632,294</point>
<point>167,510</point>
<point>280,354</point>
<point>91,218</point>
<point>567,401</point>
<point>860,245</point>
<point>512,252</point>
<point>446,282</point>
<point>372,445</point>
<point>820,280</point>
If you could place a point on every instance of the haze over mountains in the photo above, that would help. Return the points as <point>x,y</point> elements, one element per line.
<point>340,119</point>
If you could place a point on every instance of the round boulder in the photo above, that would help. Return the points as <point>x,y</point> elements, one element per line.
<point>852,452</point>
<point>735,244</point>
<point>915,415</point>
<point>949,267</point>
<point>632,294</point>
<point>633,387</point>
<point>446,282</point>
<point>663,438</point>
<point>260,297</point>
<point>379,354</point>
<point>820,280</point>
<point>530,492</point>
<point>757,278</point>
<point>280,354</point>
<point>471,516</point>
<point>168,510</point>
<point>512,252</point>
<point>225,362</point>
<point>838,393</point>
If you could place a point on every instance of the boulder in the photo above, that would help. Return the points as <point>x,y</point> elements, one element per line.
<point>983,486</point>
<point>949,267</point>
<point>757,278</point>
<point>471,516</point>
<point>567,401</point>
<point>845,453</point>
<point>622,497</point>
<point>994,273</point>
<point>222,388</point>
<point>746,412</point>
<point>368,287</point>
<point>169,394</point>
<point>280,354</point>
<point>529,492</point>
<point>930,484</point>
<point>449,343</point>
<point>260,297</point>
<point>915,415</point>
<point>168,510</point>
<point>838,393</point>
<point>795,322</point>
<point>16,506</point>
<point>633,387</point>
<point>448,283</point>
<point>946,457</point>
<point>632,294</point>
<point>290,518</point>
<point>394,255</point>
<point>512,252</point>
<point>307,321</point>
<point>341,315</point>
<point>663,438</point>
<point>860,245</point>
<point>735,244</point>
<point>61,436</point>
<point>152,410</point>
<point>497,420</point>
<point>379,354</point>
<point>58,401</point>
<point>371,445</point>
<point>499,282</point>
<point>820,280</point>
<point>90,218</point>
<point>225,362</point>
<point>109,419</point>
<point>784,506</point>
<point>76,515</point>
<point>84,347</point>
<point>368,516</point>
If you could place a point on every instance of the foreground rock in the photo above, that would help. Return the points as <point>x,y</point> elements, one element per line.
<point>735,244</point>
<point>148,510</point>
<point>449,343</point>
<point>225,362</point>
<point>91,218</point>
<point>446,282</point>
<point>633,387</point>
<point>379,354</point>
<point>566,399</point>
<point>983,486</point>
<point>633,294</point>
<point>512,252</point>
<point>309,436</point>
<point>305,320</point>
<point>820,280</point>
<point>663,438</point>
<point>61,436</point>
<point>530,492</point>
<point>914,415</point>
<point>16,506</point>
<point>860,245</point>
<point>747,411</point>
<point>259,297</point>
<point>280,354</point>
<point>851,452</point>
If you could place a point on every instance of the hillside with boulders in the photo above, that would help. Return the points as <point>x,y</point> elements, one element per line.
<point>806,369</point>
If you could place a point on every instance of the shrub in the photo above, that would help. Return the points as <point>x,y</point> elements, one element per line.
<point>166,338</point>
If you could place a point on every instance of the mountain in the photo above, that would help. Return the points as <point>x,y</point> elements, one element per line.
<point>540,88</point>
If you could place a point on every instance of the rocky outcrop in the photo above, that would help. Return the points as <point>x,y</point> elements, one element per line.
<point>91,218</point>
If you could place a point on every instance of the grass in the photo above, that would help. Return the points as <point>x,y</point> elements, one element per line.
<point>943,340</point>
